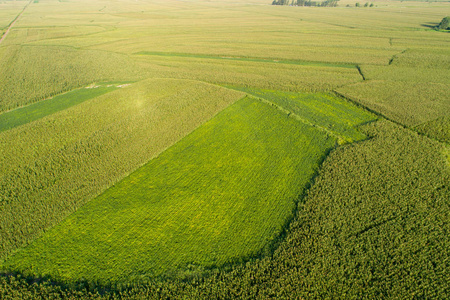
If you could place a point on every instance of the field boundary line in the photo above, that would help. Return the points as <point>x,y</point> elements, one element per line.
<point>14,22</point>
<point>300,119</point>
<point>250,59</point>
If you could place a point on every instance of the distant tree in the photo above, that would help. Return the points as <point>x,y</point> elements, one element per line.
<point>371,5</point>
<point>357,4</point>
<point>445,24</point>
<point>366,4</point>
<point>329,3</point>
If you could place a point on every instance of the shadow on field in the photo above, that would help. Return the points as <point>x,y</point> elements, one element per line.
<point>430,25</point>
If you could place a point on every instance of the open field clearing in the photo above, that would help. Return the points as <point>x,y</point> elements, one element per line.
<point>409,103</point>
<point>41,109</point>
<point>328,113</point>
<point>221,194</point>
<point>52,166</point>
<point>225,167</point>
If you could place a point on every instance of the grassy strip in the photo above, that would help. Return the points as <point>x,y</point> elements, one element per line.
<point>47,107</point>
<point>222,194</point>
<point>237,58</point>
<point>328,113</point>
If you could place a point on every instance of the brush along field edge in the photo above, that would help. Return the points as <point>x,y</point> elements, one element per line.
<point>220,195</point>
<point>51,167</point>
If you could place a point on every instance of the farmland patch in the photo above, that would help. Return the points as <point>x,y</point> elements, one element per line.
<point>409,103</point>
<point>220,195</point>
<point>438,129</point>
<point>237,58</point>
<point>288,77</point>
<point>324,111</point>
<point>44,108</point>
<point>33,73</point>
<point>52,166</point>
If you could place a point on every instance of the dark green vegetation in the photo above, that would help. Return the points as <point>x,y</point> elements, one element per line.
<point>41,109</point>
<point>438,129</point>
<point>220,195</point>
<point>379,209</point>
<point>328,113</point>
<point>327,3</point>
<point>444,24</point>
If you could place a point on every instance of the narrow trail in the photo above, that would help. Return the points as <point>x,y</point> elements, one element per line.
<point>14,22</point>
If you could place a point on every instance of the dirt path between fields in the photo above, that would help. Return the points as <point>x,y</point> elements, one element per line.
<point>14,22</point>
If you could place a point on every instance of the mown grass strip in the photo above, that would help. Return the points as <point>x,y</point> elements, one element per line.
<point>36,111</point>
<point>222,194</point>
<point>328,113</point>
<point>238,58</point>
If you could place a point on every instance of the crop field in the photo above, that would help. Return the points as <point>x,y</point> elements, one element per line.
<point>33,73</point>
<point>223,193</point>
<point>438,129</point>
<point>328,113</point>
<point>219,149</point>
<point>60,102</point>
<point>416,104</point>
<point>8,11</point>
<point>52,166</point>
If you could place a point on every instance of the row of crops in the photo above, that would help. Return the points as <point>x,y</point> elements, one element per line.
<point>373,213</point>
<point>52,166</point>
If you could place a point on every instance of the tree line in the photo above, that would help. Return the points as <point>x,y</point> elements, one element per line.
<point>326,3</point>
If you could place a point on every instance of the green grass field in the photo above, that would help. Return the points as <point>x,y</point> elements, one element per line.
<point>326,112</point>
<point>371,225</point>
<point>220,195</point>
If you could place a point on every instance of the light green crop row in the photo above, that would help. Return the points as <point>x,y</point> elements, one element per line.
<point>328,113</point>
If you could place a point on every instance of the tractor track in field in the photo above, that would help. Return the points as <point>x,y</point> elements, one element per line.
<point>14,22</point>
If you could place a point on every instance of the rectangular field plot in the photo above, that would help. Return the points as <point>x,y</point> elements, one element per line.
<point>44,108</point>
<point>328,113</point>
<point>220,195</point>
<point>409,103</point>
